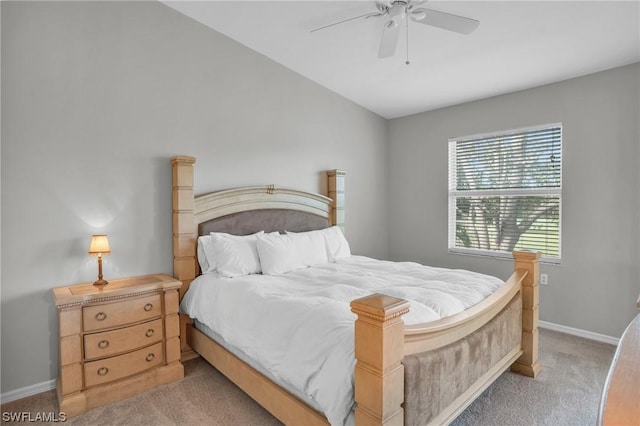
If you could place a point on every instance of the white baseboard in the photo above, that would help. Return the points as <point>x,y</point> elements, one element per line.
<point>27,391</point>
<point>580,333</point>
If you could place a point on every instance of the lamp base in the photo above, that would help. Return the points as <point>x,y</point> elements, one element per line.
<point>100,283</point>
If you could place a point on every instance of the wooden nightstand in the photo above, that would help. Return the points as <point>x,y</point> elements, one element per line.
<point>117,340</point>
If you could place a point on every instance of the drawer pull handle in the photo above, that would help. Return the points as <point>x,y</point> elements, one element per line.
<point>150,357</point>
<point>103,344</point>
<point>149,332</point>
<point>101,316</point>
<point>102,371</point>
<point>148,307</point>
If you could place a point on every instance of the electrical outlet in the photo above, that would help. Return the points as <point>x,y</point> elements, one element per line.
<point>544,279</point>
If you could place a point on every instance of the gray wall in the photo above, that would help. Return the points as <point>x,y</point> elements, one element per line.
<point>596,286</point>
<point>96,98</point>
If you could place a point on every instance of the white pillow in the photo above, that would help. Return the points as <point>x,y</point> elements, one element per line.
<point>231,255</point>
<point>204,240</point>
<point>284,253</point>
<point>335,242</point>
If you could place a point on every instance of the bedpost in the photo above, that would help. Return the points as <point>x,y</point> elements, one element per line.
<point>379,349</point>
<point>184,234</point>
<point>336,193</point>
<point>528,364</point>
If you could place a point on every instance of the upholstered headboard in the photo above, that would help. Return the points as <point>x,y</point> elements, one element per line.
<point>267,220</point>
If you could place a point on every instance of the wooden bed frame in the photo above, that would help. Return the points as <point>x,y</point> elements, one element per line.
<point>381,338</point>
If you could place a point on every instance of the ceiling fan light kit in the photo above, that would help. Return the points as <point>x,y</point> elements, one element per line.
<point>396,13</point>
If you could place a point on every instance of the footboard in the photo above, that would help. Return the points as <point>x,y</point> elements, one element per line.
<point>383,344</point>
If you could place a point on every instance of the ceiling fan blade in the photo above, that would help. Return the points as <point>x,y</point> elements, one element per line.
<point>390,35</point>
<point>446,21</point>
<point>391,30</point>
<point>366,15</point>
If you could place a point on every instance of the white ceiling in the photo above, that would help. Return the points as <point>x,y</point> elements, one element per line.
<point>518,45</point>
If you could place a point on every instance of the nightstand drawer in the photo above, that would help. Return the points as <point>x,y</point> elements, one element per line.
<point>107,343</point>
<point>109,315</point>
<point>117,367</point>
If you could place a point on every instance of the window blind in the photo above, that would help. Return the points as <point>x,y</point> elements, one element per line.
<point>505,192</point>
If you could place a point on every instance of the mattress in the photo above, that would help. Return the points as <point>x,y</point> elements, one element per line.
<point>297,328</point>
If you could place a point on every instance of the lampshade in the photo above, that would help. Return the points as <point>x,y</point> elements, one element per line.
<point>99,245</point>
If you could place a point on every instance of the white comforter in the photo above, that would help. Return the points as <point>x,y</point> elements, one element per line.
<point>299,328</point>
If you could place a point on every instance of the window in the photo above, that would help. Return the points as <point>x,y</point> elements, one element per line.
<point>505,192</point>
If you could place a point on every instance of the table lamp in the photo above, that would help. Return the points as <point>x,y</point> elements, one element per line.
<point>99,247</point>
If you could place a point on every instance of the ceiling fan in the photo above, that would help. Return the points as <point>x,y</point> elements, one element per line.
<point>396,12</point>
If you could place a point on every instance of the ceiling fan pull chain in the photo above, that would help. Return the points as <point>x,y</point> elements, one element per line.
<point>407,62</point>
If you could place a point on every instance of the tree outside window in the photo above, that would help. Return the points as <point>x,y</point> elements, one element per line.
<point>505,192</point>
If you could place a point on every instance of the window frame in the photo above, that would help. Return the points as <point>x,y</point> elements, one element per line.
<point>453,194</point>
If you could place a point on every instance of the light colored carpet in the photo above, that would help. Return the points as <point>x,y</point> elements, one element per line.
<point>567,392</point>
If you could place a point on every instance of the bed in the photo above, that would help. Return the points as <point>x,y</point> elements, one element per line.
<point>417,373</point>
